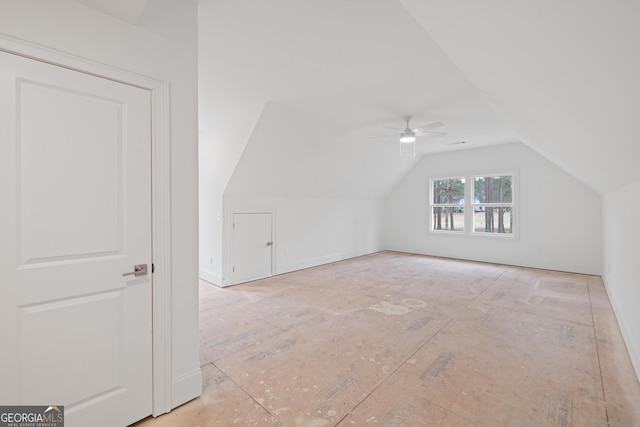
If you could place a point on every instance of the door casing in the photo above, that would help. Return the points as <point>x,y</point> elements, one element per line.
<point>160,193</point>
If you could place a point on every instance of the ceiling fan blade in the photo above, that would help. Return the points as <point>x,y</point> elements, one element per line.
<point>430,126</point>
<point>384,136</point>
<point>428,133</point>
<point>390,127</point>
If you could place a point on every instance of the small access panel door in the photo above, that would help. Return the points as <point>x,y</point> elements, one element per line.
<point>252,246</point>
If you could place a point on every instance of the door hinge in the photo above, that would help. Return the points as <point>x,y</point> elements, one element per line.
<point>153,268</point>
<point>233,269</point>
<point>234,225</point>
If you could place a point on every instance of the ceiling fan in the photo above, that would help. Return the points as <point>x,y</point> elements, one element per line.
<point>409,135</point>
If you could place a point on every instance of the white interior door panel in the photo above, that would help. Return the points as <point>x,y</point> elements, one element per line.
<point>75,160</point>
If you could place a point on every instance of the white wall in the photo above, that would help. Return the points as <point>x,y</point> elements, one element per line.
<point>219,152</point>
<point>558,217</point>
<point>314,231</point>
<point>621,235</point>
<point>72,28</point>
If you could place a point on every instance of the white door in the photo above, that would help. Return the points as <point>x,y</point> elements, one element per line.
<point>75,188</point>
<point>252,246</point>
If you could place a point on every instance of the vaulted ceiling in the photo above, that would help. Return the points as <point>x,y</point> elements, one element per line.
<point>330,74</point>
<point>564,74</point>
<point>320,78</point>
<point>173,19</point>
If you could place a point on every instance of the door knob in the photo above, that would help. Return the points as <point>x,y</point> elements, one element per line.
<point>269,243</point>
<point>138,270</point>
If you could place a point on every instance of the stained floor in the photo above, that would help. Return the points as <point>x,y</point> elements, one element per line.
<point>394,339</point>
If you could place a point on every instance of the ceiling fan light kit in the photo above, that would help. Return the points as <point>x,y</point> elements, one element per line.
<point>408,135</point>
<point>407,138</point>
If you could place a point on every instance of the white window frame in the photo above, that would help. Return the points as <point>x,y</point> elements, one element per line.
<point>433,205</point>
<point>469,205</point>
<point>511,205</point>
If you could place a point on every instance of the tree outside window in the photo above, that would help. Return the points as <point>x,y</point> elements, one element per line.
<point>493,204</point>
<point>447,204</point>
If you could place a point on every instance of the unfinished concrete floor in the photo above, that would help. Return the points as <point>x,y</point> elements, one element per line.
<point>394,339</point>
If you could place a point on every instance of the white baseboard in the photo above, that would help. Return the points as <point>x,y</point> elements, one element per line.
<point>634,355</point>
<point>326,259</point>
<point>186,387</point>
<point>210,276</point>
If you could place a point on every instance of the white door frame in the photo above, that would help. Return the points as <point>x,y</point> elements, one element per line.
<point>160,193</point>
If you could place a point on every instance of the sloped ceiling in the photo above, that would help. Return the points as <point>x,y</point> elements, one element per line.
<point>330,75</point>
<point>562,77</point>
<point>564,74</point>
<point>173,19</point>
<point>127,10</point>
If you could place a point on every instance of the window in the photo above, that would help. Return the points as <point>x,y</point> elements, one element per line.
<point>488,209</point>
<point>493,204</point>
<point>447,204</point>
